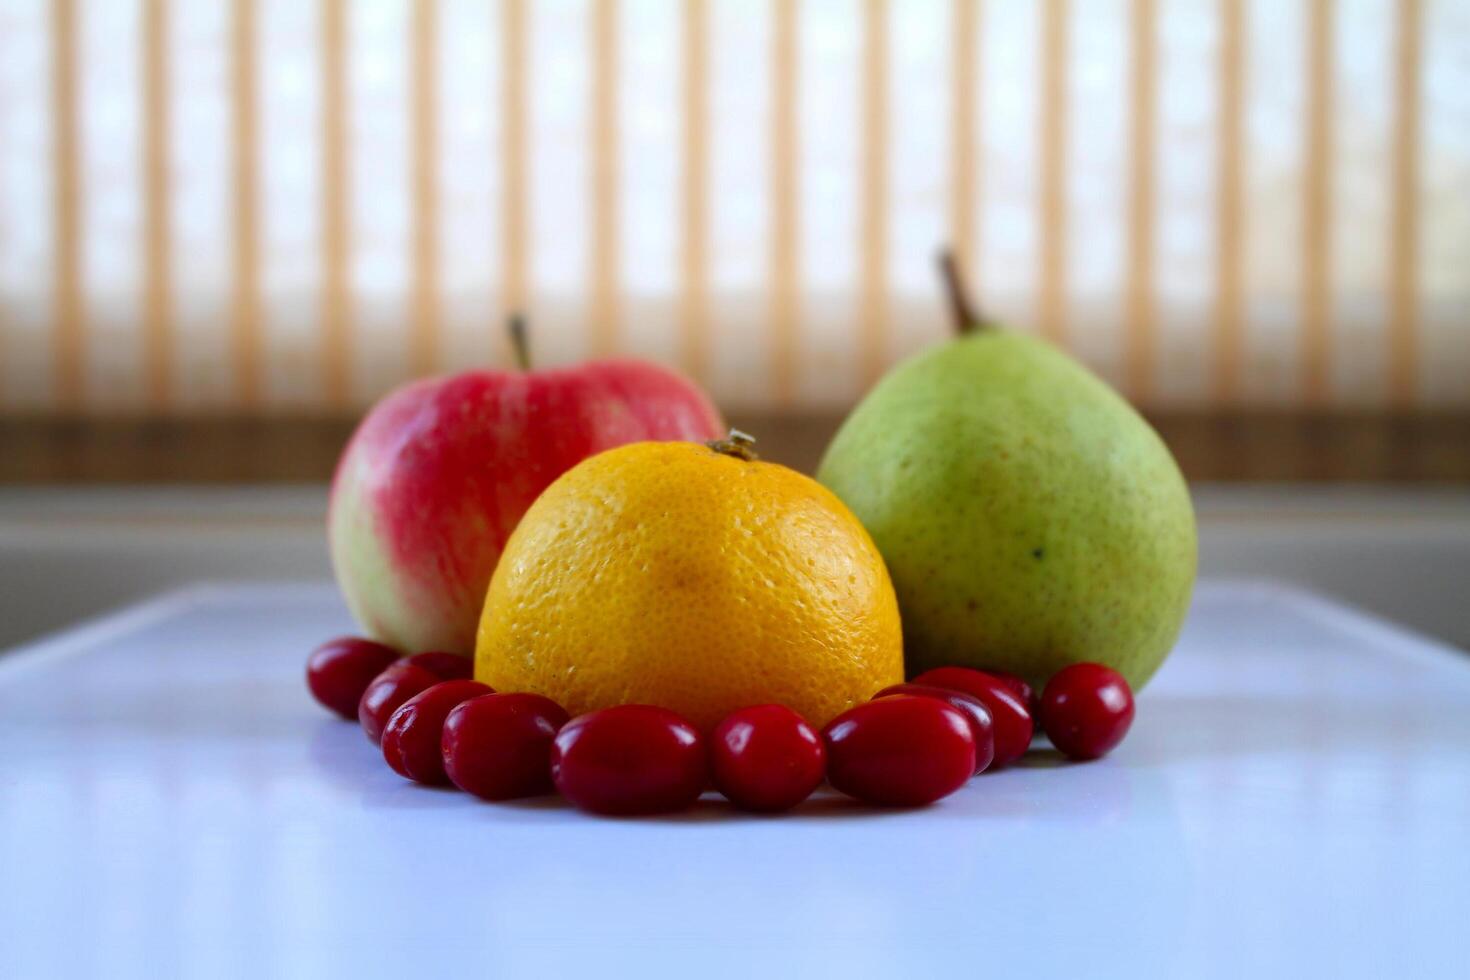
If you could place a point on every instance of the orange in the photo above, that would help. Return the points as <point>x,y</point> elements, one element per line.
<point>692,577</point>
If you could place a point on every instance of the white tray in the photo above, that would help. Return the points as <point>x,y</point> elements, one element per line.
<point>1294,800</point>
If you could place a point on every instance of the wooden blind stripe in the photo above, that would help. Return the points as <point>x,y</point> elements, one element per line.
<point>694,281</point>
<point>1053,135</point>
<point>424,150</point>
<point>1229,218</point>
<point>605,212</point>
<point>1403,328</point>
<point>785,257</point>
<point>513,163</point>
<point>336,288</point>
<point>873,285</point>
<point>157,295</point>
<point>1316,214</point>
<point>69,338</point>
<point>1139,307</point>
<point>5,302</point>
<point>245,346</point>
<point>963,178</point>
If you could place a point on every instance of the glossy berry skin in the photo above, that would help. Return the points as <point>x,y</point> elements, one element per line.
<point>387,693</point>
<point>899,751</point>
<point>1020,688</point>
<point>1013,722</point>
<point>766,758</point>
<point>445,666</point>
<point>982,726</point>
<point>1086,710</point>
<point>338,671</point>
<point>628,760</point>
<point>413,737</point>
<point>498,746</point>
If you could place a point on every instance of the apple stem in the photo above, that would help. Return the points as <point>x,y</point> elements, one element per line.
<point>739,444</point>
<point>519,342</point>
<point>967,317</point>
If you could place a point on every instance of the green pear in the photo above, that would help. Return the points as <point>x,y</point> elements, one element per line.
<point>1030,518</point>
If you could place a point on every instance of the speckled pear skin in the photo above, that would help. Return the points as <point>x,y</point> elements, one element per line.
<point>1029,517</point>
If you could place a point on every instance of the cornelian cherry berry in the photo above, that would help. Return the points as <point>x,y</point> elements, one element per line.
<point>982,727</point>
<point>1020,687</point>
<point>498,746</point>
<point>766,758</point>
<point>445,666</point>
<point>1013,723</point>
<point>386,694</point>
<point>630,759</point>
<point>900,751</point>
<point>413,737</point>
<point>338,671</point>
<point>1086,710</point>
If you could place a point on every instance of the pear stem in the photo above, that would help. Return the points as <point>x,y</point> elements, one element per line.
<point>967,317</point>
<point>519,342</point>
<point>740,445</point>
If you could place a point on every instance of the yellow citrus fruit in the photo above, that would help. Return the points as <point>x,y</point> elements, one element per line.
<point>692,577</point>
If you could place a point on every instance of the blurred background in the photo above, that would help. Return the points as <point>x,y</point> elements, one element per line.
<point>228,226</point>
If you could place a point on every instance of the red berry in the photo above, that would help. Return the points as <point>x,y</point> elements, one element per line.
<point>445,666</point>
<point>631,759</point>
<point>982,726</point>
<point>413,738</point>
<point>1013,724</point>
<point>498,746</point>
<point>1086,710</point>
<point>338,671</point>
<point>386,694</point>
<point>900,751</point>
<point>766,758</point>
<point>1020,687</point>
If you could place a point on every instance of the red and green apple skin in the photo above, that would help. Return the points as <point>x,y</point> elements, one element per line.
<point>438,474</point>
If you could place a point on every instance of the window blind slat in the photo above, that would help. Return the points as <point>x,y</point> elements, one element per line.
<point>69,330</point>
<point>1051,303</point>
<point>606,215</point>
<point>245,325</point>
<point>424,167</point>
<point>515,190</point>
<point>1403,327</point>
<point>785,262</point>
<point>872,286</point>
<point>1229,332</point>
<point>1317,205</point>
<point>336,314</point>
<point>964,176</point>
<point>1139,308</point>
<point>694,257</point>
<point>158,337</point>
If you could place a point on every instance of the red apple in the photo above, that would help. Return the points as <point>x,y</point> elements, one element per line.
<point>440,471</point>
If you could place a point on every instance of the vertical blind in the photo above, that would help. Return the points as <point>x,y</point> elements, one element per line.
<point>265,205</point>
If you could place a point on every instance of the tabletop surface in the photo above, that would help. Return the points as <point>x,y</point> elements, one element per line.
<point>1294,799</point>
